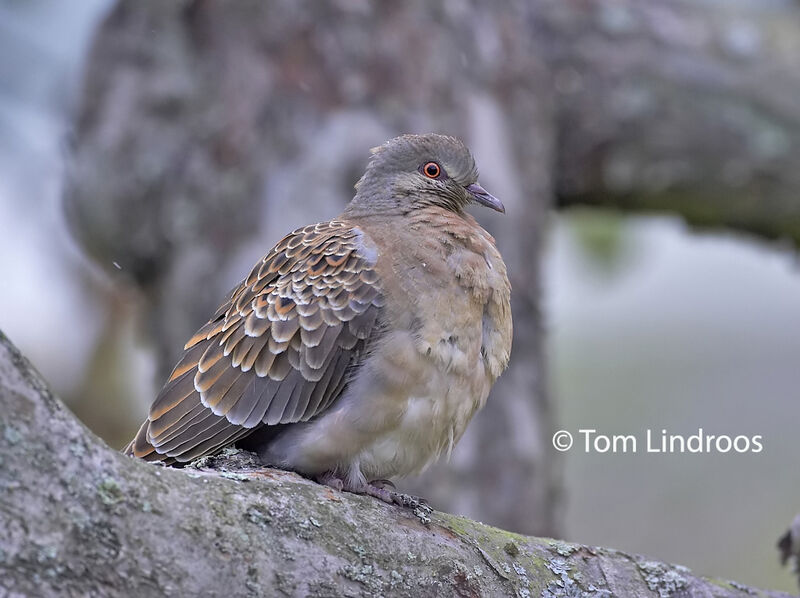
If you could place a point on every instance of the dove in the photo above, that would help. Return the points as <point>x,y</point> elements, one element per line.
<point>358,349</point>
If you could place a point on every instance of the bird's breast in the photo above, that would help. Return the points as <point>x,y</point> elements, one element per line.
<point>450,289</point>
<point>449,344</point>
<point>446,336</point>
<point>431,407</point>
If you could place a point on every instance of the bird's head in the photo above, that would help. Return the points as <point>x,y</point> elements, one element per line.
<point>414,171</point>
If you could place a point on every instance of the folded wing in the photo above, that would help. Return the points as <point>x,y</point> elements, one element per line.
<point>279,351</point>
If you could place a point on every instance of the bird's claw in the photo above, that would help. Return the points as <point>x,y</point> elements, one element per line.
<point>419,506</point>
<point>382,490</point>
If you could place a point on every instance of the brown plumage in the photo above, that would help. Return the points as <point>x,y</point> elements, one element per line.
<point>275,353</point>
<point>358,348</point>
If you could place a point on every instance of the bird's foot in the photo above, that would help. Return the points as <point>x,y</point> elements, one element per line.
<point>387,484</point>
<point>379,490</point>
<point>382,490</point>
<point>387,492</point>
<point>331,480</point>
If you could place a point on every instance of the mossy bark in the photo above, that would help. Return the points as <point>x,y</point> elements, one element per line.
<point>79,519</point>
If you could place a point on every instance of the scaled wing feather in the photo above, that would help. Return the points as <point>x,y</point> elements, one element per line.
<point>277,352</point>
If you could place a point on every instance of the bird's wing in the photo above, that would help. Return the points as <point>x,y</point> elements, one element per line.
<point>276,352</point>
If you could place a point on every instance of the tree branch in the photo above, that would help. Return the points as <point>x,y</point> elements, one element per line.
<point>684,107</point>
<point>80,519</point>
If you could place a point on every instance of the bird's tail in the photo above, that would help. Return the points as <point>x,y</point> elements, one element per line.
<point>140,448</point>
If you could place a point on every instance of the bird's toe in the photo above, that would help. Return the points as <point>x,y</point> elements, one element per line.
<point>385,484</point>
<point>331,480</point>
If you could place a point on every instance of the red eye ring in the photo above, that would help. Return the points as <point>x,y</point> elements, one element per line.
<point>431,170</point>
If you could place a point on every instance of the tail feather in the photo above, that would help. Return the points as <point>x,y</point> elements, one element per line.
<point>140,448</point>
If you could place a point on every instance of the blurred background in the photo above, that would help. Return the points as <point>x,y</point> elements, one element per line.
<point>647,153</point>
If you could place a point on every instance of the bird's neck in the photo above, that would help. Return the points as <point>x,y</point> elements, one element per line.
<point>383,204</point>
<point>357,212</point>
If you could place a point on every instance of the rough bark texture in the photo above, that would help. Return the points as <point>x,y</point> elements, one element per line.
<point>79,519</point>
<point>206,124</point>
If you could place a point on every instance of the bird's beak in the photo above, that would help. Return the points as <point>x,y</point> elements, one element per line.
<point>482,196</point>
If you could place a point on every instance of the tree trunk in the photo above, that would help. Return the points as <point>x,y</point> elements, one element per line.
<point>79,519</point>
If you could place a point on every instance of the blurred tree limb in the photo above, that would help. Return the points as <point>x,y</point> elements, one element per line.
<point>681,107</point>
<point>80,519</point>
<point>789,547</point>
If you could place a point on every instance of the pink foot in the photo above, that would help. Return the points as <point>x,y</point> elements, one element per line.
<point>383,490</point>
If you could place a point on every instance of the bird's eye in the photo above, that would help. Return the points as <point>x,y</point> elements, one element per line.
<point>431,170</point>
